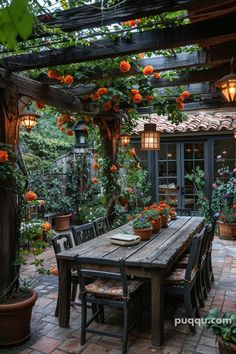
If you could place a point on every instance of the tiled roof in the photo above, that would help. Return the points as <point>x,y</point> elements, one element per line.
<point>201,121</point>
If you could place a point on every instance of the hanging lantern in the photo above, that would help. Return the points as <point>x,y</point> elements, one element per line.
<point>81,137</point>
<point>227,84</point>
<point>150,137</point>
<point>29,119</point>
<point>124,139</point>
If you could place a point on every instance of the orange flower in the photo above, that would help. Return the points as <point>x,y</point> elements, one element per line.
<point>124,66</point>
<point>132,152</point>
<point>106,106</point>
<point>113,169</point>
<point>134,91</point>
<point>95,96</point>
<point>94,180</point>
<point>3,156</point>
<point>141,55</point>
<point>148,70</point>
<point>53,271</point>
<point>130,217</point>
<point>149,98</point>
<point>179,99</point>
<point>39,105</point>
<point>137,98</point>
<point>66,118</point>
<point>85,119</point>
<point>68,79</point>
<point>62,129</point>
<point>53,74</point>
<point>157,76</point>
<point>30,196</point>
<point>95,166</point>
<point>46,226</point>
<point>234,206</point>
<point>116,107</point>
<point>185,94</point>
<point>180,106</point>
<point>102,91</point>
<point>69,132</point>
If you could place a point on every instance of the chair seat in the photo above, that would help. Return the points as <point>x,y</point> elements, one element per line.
<point>111,287</point>
<point>182,262</point>
<point>176,276</point>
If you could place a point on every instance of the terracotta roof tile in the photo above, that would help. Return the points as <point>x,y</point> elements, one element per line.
<point>196,122</point>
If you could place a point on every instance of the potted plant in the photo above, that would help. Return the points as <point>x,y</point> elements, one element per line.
<point>154,218</point>
<point>142,227</point>
<point>224,201</point>
<point>225,329</point>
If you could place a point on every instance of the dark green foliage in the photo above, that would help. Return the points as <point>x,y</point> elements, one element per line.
<point>224,326</point>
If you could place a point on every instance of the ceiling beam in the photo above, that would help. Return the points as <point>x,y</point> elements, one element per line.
<point>212,32</point>
<point>52,96</point>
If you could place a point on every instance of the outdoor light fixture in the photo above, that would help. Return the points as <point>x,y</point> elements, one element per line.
<point>150,137</point>
<point>235,134</point>
<point>124,139</point>
<point>29,119</point>
<point>228,84</point>
<point>81,137</point>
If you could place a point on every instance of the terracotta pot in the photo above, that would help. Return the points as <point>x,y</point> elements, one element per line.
<point>62,222</point>
<point>145,234</point>
<point>15,321</point>
<point>164,221</point>
<point>156,226</point>
<point>225,347</point>
<point>227,231</point>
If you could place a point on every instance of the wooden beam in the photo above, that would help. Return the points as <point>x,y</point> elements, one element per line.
<point>211,31</point>
<point>58,98</point>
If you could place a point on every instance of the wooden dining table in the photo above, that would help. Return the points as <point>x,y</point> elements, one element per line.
<point>148,259</point>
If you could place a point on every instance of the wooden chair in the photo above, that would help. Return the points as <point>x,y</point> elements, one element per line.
<point>110,288</point>
<point>102,225</point>
<point>83,233</point>
<point>181,282</point>
<point>62,242</point>
<point>183,211</point>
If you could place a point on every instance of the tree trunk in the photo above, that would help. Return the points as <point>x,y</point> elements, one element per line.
<point>9,222</point>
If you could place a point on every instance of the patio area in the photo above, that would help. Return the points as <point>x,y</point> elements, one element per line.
<point>47,337</point>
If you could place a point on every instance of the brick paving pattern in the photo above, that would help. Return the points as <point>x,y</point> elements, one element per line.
<point>48,338</point>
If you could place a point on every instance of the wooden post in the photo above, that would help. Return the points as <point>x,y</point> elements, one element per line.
<point>9,220</point>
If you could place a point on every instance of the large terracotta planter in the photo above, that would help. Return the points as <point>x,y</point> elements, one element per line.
<point>15,321</point>
<point>145,234</point>
<point>156,226</point>
<point>226,347</point>
<point>164,221</point>
<point>62,222</point>
<point>227,231</point>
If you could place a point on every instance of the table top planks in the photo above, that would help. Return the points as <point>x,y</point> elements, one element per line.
<point>159,251</point>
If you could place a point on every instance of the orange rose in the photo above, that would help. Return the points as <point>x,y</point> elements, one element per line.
<point>3,156</point>
<point>30,196</point>
<point>62,129</point>
<point>94,180</point>
<point>179,99</point>
<point>102,91</point>
<point>68,79</point>
<point>185,94</point>
<point>113,169</point>
<point>141,55</point>
<point>66,118</point>
<point>124,66</point>
<point>148,70</point>
<point>149,98</point>
<point>53,74</point>
<point>69,132</point>
<point>95,166</point>
<point>106,106</point>
<point>134,91</point>
<point>46,226</point>
<point>53,271</point>
<point>180,106</point>
<point>132,152</point>
<point>39,105</point>
<point>137,98</point>
<point>95,96</point>
<point>157,76</point>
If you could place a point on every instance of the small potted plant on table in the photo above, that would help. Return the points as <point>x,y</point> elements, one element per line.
<point>225,329</point>
<point>142,227</point>
<point>155,219</point>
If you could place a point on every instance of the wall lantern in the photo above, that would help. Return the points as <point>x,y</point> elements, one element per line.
<point>124,139</point>
<point>150,137</point>
<point>235,134</point>
<point>29,119</point>
<point>228,84</point>
<point>81,137</point>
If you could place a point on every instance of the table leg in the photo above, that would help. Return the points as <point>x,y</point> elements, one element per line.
<point>157,293</point>
<point>64,292</point>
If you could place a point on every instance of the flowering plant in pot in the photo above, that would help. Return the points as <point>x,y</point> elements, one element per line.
<point>154,218</point>
<point>142,226</point>
<point>224,328</point>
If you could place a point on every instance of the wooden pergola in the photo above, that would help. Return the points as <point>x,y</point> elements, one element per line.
<point>211,26</point>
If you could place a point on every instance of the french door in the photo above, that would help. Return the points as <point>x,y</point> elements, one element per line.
<point>174,162</point>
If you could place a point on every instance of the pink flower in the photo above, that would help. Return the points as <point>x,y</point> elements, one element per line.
<point>214,185</point>
<point>234,180</point>
<point>234,170</point>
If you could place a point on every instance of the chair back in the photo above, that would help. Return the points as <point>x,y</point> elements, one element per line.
<point>101,225</point>
<point>191,268</point>
<point>61,243</point>
<point>183,211</point>
<point>83,233</point>
<point>92,268</point>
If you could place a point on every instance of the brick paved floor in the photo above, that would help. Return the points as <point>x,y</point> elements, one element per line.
<point>47,337</point>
